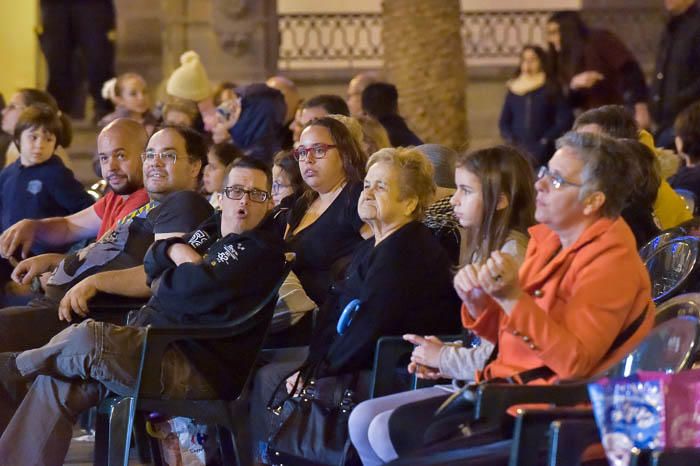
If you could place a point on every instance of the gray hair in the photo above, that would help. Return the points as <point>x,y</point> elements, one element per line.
<point>606,166</point>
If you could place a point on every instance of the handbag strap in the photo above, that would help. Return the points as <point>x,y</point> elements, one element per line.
<point>277,407</point>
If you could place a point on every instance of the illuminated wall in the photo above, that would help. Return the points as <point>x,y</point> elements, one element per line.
<point>20,57</point>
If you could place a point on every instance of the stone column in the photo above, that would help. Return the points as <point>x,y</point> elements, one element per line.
<point>423,57</point>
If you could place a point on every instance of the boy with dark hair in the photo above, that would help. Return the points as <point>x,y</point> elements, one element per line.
<point>38,185</point>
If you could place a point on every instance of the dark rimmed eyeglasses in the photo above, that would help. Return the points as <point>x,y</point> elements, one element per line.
<point>557,180</point>
<point>237,192</point>
<point>317,151</point>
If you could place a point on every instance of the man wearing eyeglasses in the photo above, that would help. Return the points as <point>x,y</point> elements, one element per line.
<point>111,269</point>
<point>212,276</point>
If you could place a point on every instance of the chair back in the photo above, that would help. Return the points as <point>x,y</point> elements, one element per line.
<point>670,347</point>
<point>671,267</point>
<point>648,250</point>
<point>688,197</point>
<point>687,304</point>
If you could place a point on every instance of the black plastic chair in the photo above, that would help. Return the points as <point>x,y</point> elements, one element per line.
<point>116,414</point>
<point>676,342</point>
<point>389,374</point>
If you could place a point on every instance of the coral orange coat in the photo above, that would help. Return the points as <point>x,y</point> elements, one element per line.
<point>574,304</point>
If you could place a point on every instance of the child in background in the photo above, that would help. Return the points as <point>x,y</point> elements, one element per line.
<point>130,97</point>
<point>535,113</point>
<point>38,185</point>
<point>218,158</point>
<point>225,91</point>
<point>181,112</point>
<point>287,182</point>
<point>22,99</point>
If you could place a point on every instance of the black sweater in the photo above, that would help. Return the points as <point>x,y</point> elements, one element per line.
<point>236,273</point>
<point>404,285</point>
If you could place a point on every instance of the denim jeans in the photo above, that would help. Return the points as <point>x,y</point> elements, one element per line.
<point>74,371</point>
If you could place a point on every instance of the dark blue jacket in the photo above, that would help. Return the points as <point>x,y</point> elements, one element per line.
<point>258,130</point>
<point>533,121</point>
<point>48,189</point>
<point>400,135</point>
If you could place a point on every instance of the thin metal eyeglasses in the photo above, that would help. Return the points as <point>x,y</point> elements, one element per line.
<point>317,151</point>
<point>557,180</point>
<point>237,192</point>
<point>277,187</point>
<point>167,156</point>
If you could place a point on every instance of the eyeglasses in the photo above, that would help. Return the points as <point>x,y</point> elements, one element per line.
<point>167,156</point>
<point>277,187</point>
<point>318,151</point>
<point>557,180</point>
<point>237,192</point>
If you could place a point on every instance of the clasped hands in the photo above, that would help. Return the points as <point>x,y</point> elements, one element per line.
<point>497,277</point>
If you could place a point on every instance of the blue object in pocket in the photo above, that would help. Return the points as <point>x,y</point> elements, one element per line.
<point>346,317</point>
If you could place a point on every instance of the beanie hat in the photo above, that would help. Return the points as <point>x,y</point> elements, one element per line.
<point>443,160</point>
<point>190,80</point>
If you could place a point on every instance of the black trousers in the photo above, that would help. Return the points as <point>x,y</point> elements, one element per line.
<point>85,25</point>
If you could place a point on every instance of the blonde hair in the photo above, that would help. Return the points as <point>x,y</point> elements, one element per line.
<point>352,125</point>
<point>122,78</point>
<point>185,106</point>
<point>415,174</point>
<point>374,135</point>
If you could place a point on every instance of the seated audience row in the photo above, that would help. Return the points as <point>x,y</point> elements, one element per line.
<point>377,232</point>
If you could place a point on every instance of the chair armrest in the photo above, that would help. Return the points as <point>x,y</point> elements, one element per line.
<point>388,353</point>
<point>569,438</point>
<point>492,400</point>
<point>531,428</point>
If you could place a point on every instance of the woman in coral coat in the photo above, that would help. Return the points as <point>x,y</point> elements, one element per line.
<point>582,283</point>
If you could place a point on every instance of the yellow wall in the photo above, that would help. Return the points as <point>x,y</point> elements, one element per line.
<point>20,55</point>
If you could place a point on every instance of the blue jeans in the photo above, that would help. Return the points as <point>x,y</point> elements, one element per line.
<point>74,371</point>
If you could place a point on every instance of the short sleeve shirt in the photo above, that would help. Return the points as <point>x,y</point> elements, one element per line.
<point>125,245</point>
<point>112,207</point>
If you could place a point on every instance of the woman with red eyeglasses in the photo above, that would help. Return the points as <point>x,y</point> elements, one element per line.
<point>323,227</point>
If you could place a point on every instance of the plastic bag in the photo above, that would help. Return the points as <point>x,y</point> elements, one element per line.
<point>630,413</point>
<point>649,410</point>
<point>183,442</point>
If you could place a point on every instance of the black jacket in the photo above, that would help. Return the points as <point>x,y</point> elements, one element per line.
<point>236,273</point>
<point>404,285</point>
<point>399,132</point>
<point>676,81</point>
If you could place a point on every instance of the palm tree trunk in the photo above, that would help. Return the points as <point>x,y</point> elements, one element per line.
<point>423,57</point>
